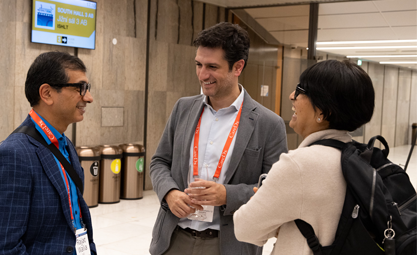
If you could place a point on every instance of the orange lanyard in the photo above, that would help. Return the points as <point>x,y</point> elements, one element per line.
<point>225,148</point>
<point>52,138</point>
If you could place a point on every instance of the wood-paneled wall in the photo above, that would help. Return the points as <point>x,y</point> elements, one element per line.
<point>117,71</point>
<point>173,26</point>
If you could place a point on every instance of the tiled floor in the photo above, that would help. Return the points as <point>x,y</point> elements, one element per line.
<point>125,228</point>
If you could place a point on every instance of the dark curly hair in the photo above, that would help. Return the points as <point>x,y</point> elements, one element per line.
<point>233,39</point>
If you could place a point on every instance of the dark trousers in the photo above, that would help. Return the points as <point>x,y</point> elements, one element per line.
<point>183,243</point>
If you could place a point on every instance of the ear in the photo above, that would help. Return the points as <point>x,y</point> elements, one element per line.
<point>238,67</point>
<point>319,117</point>
<point>45,93</point>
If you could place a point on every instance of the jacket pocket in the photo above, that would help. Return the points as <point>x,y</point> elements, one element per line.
<point>252,152</point>
<point>250,166</point>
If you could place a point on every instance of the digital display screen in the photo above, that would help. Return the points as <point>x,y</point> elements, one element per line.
<point>69,23</point>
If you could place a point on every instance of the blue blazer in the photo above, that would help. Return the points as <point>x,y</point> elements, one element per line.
<point>34,210</point>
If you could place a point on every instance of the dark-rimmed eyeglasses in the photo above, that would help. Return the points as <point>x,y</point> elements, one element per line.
<point>83,86</point>
<point>299,90</point>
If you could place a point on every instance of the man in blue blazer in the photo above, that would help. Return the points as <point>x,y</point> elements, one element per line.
<point>42,209</point>
<point>212,152</point>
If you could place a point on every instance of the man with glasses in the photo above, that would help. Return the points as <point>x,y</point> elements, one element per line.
<point>41,179</point>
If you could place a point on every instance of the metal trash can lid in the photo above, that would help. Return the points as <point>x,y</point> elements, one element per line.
<point>85,151</point>
<point>110,151</point>
<point>131,149</point>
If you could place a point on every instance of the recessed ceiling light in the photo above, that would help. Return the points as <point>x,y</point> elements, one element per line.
<point>367,47</point>
<point>364,42</point>
<point>384,56</point>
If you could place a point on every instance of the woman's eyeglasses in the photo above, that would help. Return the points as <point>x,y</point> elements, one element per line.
<point>299,90</point>
<point>83,86</point>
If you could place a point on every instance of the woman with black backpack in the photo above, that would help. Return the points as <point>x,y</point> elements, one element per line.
<point>332,99</point>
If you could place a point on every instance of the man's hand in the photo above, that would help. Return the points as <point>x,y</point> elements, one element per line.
<point>212,194</point>
<point>180,203</point>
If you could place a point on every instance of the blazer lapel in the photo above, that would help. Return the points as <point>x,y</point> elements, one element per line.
<point>77,167</point>
<point>246,126</point>
<point>190,127</point>
<point>52,170</point>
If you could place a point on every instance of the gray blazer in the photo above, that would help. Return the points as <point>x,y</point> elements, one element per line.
<point>259,142</point>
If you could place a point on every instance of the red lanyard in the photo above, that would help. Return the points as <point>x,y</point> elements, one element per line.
<point>52,138</point>
<point>225,149</point>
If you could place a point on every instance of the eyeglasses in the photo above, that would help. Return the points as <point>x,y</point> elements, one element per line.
<point>299,90</point>
<point>83,86</point>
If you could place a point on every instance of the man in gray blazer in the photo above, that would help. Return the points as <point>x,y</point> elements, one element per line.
<point>212,152</point>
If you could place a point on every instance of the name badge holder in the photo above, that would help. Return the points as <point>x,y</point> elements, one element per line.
<point>82,245</point>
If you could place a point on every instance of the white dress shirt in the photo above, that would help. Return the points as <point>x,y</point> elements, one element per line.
<point>214,130</point>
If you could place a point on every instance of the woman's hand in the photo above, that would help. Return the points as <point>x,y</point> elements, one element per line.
<point>255,189</point>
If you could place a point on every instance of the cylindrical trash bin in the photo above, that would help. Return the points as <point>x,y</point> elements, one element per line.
<point>132,173</point>
<point>110,174</point>
<point>90,161</point>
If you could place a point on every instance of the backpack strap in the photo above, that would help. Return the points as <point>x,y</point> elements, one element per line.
<point>344,229</point>
<point>313,242</point>
<point>32,132</point>
<point>331,143</point>
<point>366,154</point>
<point>369,151</point>
<point>371,142</point>
<point>308,232</point>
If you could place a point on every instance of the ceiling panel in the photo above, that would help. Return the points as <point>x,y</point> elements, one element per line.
<point>356,34</point>
<point>404,18</point>
<point>405,33</point>
<point>295,38</point>
<point>341,8</point>
<point>288,23</point>
<point>284,11</point>
<point>254,3</point>
<point>396,5</point>
<point>352,20</point>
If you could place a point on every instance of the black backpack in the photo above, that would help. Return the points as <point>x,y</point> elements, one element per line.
<point>380,210</point>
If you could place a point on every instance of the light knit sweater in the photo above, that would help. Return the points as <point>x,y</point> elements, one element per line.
<point>308,184</point>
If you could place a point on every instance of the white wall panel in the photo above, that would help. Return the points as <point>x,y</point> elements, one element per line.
<point>389,108</point>
<point>403,107</point>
